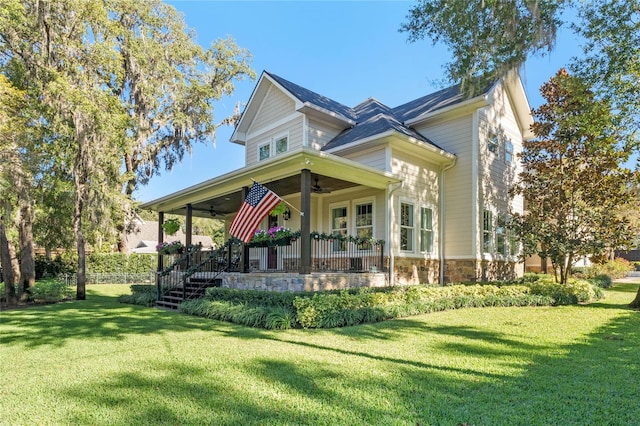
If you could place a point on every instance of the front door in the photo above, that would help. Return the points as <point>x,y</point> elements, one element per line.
<point>272,252</point>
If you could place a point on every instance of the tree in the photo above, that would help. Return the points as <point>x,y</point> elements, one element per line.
<point>490,37</point>
<point>116,83</point>
<point>572,180</point>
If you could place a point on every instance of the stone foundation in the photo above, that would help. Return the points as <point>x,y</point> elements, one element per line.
<point>480,270</point>
<point>276,281</point>
<point>410,271</point>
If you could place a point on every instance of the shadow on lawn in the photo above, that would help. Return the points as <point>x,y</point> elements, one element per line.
<point>97,317</point>
<point>591,381</point>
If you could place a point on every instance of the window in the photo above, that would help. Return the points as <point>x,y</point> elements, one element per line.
<point>492,143</point>
<point>406,227</point>
<point>282,145</point>
<point>513,240</point>
<point>508,152</point>
<point>339,226</point>
<point>426,230</point>
<point>364,223</point>
<point>487,231</point>
<point>501,244</point>
<point>264,151</point>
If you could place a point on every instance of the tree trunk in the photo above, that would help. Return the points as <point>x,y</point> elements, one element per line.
<point>25,227</point>
<point>80,245</point>
<point>8,262</point>
<point>636,302</point>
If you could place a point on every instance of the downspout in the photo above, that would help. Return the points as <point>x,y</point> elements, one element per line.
<point>389,231</point>
<point>442,219</point>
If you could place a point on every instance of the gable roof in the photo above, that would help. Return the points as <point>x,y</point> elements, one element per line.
<point>310,97</point>
<point>371,117</point>
<point>374,118</point>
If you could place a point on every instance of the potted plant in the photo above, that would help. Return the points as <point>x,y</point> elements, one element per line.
<point>174,247</point>
<point>171,226</point>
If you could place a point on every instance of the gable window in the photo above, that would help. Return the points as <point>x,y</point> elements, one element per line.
<point>281,145</point>
<point>339,226</point>
<point>406,226</point>
<point>508,152</point>
<point>426,230</point>
<point>501,243</point>
<point>264,151</point>
<point>487,231</point>
<point>492,143</point>
<point>364,223</point>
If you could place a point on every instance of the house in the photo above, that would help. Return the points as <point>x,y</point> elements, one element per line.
<point>143,237</point>
<point>429,179</point>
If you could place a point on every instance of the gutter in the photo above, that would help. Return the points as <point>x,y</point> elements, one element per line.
<point>389,231</point>
<point>442,220</point>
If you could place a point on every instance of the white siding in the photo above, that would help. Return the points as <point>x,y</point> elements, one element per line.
<point>275,106</point>
<point>373,158</point>
<point>420,188</point>
<point>276,117</point>
<point>456,136</point>
<point>496,177</point>
<point>321,133</point>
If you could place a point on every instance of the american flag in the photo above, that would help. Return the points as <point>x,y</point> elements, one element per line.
<point>259,202</point>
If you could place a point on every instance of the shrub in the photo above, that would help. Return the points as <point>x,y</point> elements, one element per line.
<point>575,291</point>
<point>50,291</point>
<point>601,281</point>
<point>617,268</point>
<point>145,295</point>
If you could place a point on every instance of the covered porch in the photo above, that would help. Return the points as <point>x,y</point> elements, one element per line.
<point>304,178</point>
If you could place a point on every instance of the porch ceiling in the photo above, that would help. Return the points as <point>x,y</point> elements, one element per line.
<point>221,197</point>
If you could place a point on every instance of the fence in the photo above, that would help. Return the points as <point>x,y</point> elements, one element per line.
<point>111,278</point>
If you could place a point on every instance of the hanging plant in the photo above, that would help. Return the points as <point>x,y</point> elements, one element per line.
<point>279,209</point>
<point>171,226</point>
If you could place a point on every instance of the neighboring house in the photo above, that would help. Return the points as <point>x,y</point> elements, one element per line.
<point>144,237</point>
<point>430,178</point>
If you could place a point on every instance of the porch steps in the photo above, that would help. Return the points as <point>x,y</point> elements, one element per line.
<point>195,289</point>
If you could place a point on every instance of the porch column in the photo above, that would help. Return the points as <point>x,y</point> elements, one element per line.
<point>160,238</point>
<point>188,226</point>
<point>160,241</point>
<point>244,258</point>
<point>305,221</point>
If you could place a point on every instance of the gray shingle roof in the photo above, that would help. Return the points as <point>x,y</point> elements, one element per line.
<point>373,117</point>
<point>306,95</point>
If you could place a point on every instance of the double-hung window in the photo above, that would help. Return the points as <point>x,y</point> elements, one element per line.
<point>364,223</point>
<point>281,145</point>
<point>501,243</point>
<point>339,226</point>
<point>492,143</point>
<point>264,151</point>
<point>508,152</point>
<point>406,227</point>
<point>487,231</point>
<point>426,230</point>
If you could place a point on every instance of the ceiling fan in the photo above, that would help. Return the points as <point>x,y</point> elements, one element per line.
<point>318,189</point>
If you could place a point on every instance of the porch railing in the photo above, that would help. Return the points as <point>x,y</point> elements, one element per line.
<point>344,256</point>
<point>326,256</point>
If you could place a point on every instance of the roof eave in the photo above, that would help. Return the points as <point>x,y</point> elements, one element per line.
<point>473,103</point>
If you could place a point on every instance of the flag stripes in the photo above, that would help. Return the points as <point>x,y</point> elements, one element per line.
<point>258,203</point>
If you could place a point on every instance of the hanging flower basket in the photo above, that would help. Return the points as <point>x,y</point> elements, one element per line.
<point>175,247</point>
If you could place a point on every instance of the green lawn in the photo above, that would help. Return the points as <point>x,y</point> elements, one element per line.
<point>99,362</point>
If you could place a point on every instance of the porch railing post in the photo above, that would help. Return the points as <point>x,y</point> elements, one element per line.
<point>305,221</point>
<point>160,257</point>
<point>244,260</point>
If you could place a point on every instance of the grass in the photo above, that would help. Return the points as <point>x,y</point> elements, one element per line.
<point>100,362</point>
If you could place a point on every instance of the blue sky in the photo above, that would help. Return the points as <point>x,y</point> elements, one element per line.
<point>345,50</point>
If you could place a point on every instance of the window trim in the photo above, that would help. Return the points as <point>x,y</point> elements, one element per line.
<point>487,231</point>
<point>508,151</point>
<point>430,230</point>
<point>260,146</point>
<point>411,227</point>
<point>275,143</point>
<point>332,207</point>
<point>493,143</point>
